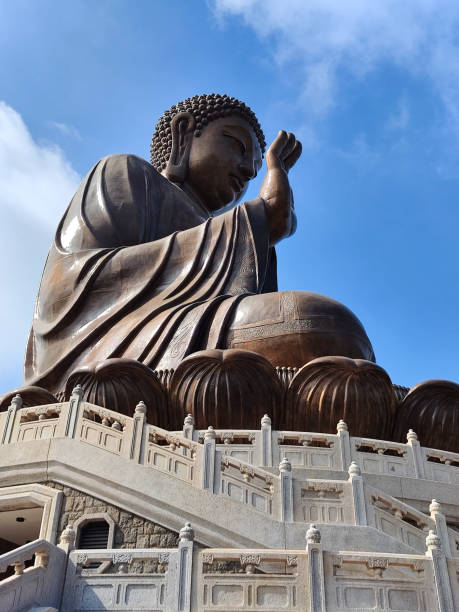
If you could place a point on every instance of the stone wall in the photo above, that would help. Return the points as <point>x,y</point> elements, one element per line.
<point>131,531</point>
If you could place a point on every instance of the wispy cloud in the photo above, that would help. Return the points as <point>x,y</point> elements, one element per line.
<point>400,118</point>
<point>36,184</point>
<point>65,129</point>
<point>328,40</point>
<point>35,180</point>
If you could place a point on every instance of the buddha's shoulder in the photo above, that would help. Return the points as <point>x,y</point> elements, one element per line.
<point>127,162</point>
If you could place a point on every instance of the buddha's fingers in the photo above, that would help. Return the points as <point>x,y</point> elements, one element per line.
<point>274,153</point>
<point>288,147</point>
<point>292,158</point>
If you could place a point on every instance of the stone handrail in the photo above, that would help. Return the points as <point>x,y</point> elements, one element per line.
<point>182,455</point>
<point>166,585</point>
<point>16,558</point>
<point>42,582</point>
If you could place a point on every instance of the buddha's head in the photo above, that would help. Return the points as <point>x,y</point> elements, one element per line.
<point>211,146</point>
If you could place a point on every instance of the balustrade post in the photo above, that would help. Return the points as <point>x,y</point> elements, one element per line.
<point>138,432</point>
<point>440,527</point>
<point>286,486</point>
<point>440,572</point>
<point>208,458</point>
<point>74,409</point>
<point>315,570</point>
<point>355,478</point>
<point>67,539</point>
<point>16,404</point>
<point>344,445</point>
<point>184,569</point>
<point>416,453</point>
<point>188,427</point>
<point>266,459</point>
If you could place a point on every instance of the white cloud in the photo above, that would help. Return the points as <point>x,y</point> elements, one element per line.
<point>36,184</point>
<point>65,129</point>
<point>327,39</point>
<point>35,180</point>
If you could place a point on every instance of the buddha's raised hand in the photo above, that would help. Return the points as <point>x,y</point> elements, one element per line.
<point>275,189</point>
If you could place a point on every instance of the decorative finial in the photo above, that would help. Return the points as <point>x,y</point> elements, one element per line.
<point>285,465</point>
<point>17,402</point>
<point>354,469</point>
<point>266,420</point>
<point>433,541</point>
<point>141,408</point>
<point>186,533</point>
<point>313,535</point>
<point>68,536</point>
<point>342,426</point>
<point>411,435</point>
<point>210,433</point>
<point>434,506</point>
<point>78,390</point>
<point>189,420</point>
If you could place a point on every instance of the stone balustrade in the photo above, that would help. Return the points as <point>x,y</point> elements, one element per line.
<point>254,467</point>
<point>187,578</point>
<point>133,579</point>
<point>37,581</point>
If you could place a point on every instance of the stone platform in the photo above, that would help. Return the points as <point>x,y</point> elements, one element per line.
<point>219,519</point>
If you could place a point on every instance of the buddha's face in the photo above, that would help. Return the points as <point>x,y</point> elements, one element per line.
<point>223,159</point>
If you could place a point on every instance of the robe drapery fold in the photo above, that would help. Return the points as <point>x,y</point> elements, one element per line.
<point>139,270</point>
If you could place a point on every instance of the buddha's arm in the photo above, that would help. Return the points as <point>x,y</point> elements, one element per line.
<point>275,189</point>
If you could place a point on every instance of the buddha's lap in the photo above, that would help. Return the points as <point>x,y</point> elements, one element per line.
<point>292,327</point>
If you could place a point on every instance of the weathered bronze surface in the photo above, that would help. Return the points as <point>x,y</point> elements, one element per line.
<point>431,409</point>
<point>329,389</point>
<point>142,268</point>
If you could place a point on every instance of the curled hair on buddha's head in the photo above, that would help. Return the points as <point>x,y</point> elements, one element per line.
<point>204,108</point>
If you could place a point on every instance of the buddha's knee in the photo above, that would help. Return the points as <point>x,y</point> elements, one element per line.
<point>292,327</point>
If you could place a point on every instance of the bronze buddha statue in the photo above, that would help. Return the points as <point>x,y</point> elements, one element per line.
<point>143,268</point>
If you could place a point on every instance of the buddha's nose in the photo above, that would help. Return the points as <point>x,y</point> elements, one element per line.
<point>248,169</point>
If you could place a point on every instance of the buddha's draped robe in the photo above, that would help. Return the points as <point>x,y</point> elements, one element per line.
<point>139,270</point>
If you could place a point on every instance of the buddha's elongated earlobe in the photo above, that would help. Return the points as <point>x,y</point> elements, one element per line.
<point>182,128</point>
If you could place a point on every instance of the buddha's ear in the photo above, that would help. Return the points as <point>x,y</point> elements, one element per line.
<point>182,128</point>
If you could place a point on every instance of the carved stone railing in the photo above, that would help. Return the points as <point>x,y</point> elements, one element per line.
<point>127,436</point>
<point>40,582</point>
<point>134,579</point>
<point>235,464</point>
<point>172,454</point>
<point>252,579</point>
<point>441,466</point>
<point>363,581</point>
<point>325,501</point>
<point>247,484</point>
<point>398,520</point>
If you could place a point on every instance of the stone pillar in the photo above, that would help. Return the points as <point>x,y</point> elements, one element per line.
<point>440,527</point>
<point>440,571</point>
<point>72,416</point>
<point>355,478</point>
<point>184,568</point>
<point>138,433</point>
<point>315,570</point>
<point>286,487</point>
<point>266,459</point>
<point>416,453</point>
<point>16,404</point>
<point>208,458</point>
<point>344,445</point>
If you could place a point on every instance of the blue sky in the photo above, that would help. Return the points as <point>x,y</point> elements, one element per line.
<point>371,88</point>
